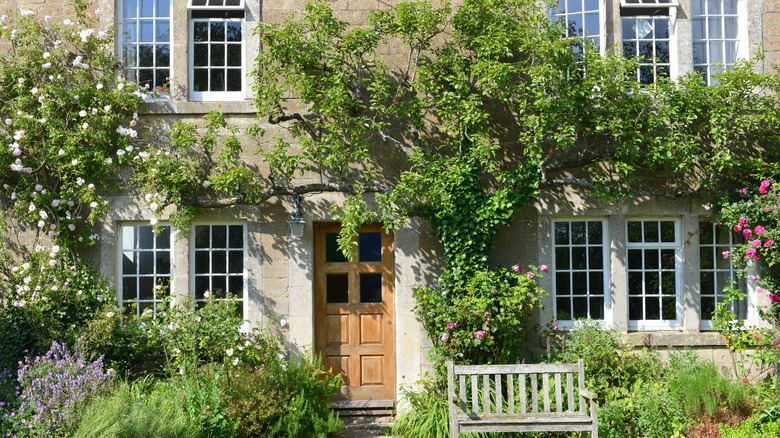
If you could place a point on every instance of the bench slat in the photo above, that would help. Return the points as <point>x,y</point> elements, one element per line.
<point>510,386</point>
<point>570,391</point>
<point>462,390</point>
<point>486,393</point>
<point>558,393</point>
<point>535,392</point>
<point>474,394</point>
<point>499,401</point>
<point>520,419</point>
<point>523,393</point>
<point>546,389</point>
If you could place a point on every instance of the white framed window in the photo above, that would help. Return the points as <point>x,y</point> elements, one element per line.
<point>217,261</point>
<point>653,262</point>
<point>717,271</point>
<point>581,18</point>
<point>145,43</point>
<point>715,28</point>
<point>217,50</point>
<point>580,269</point>
<point>146,267</point>
<point>648,38</point>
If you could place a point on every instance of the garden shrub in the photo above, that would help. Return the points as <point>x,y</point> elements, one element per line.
<point>641,411</point>
<point>203,401</point>
<point>138,410</point>
<point>485,322</point>
<point>609,363</point>
<point>55,386</point>
<point>281,399</point>
<point>427,414</point>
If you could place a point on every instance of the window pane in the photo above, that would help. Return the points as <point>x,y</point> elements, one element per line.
<point>217,31</point>
<point>236,239</point>
<point>236,286</point>
<point>200,32</point>
<point>163,33</point>
<point>234,55</point>
<point>370,288</point>
<point>234,79</point>
<point>146,288</point>
<point>201,80</point>
<point>236,262</point>
<point>147,8</point>
<point>370,247</point>
<point>217,55</point>
<point>595,257</point>
<point>578,233</point>
<point>596,283</point>
<point>578,258</point>
<point>562,283</point>
<point>594,233</point>
<point>130,9</point>
<point>561,258</point>
<point>597,308</point>
<point>146,31</point>
<point>337,288</point>
<point>128,263</point>
<point>563,309</point>
<point>219,286</point>
<point>200,56</point>
<point>202,236</point>
<point>561,233</point>
<point>217,80</point>
<point>634,231</point>
<point>233,31</point>
<point>202,262</point>
<point>163,8</point>
<point>219,236</point>
<point>201,286</point>
<point>651,259</point>
<point>650,231</point>
<point>332,252</point>
<point>579,283</point>
<point>580,307</point>
<point>163,262</point>
<point>129,289</point>
<point>219,262</point>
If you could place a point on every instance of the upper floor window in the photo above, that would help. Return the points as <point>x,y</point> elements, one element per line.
<point>217,49</point>
<point>145,270</point>
<point>653,274</point>
<point>647,38</point>
<point>580,18</point>
<point>715,35</point>
<point>145,43</point>
<point>579,269</point>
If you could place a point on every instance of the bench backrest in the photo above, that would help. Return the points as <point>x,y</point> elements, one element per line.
<point>521,388</point>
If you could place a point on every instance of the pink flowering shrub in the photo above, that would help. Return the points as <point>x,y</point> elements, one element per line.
<point>754,214</point>
<point>485,322</point>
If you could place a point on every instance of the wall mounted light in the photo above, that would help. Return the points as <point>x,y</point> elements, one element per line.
<point>296,223</point>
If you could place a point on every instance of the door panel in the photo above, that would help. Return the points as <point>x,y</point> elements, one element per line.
<point>354,312</point>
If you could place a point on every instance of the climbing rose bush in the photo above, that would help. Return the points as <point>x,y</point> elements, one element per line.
<point>754,215</point>
<point>67,121</point>
<point>486,322</point>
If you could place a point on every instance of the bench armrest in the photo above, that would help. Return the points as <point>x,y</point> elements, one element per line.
<point>588,394</point>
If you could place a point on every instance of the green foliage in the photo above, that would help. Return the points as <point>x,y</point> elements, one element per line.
<point>486,321</point>
<point>611,367</point>
<point>137,410</point>
<point>700,390</point>
<point>427,414</point>
<point>282,399</point>
<point>752,428</point>
<point>55,297</point>
<point>643,410</point>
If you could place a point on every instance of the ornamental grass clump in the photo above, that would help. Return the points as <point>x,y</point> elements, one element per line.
<point>55,386</point>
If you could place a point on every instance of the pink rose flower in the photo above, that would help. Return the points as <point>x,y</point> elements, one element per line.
<point>742,221</point>
<point>530,274</point>
<point>768,242</point>
<point>480,334</point>
<point>517,268</point>
<point>742,192</point>
<point>726,254</point>
<point>747,233</point>
<point>756,242</point>
<point>737,228</point>
<point>544,268</point>
<point>764,187</point>
<point>774,298</point>
<point>451,325</point>
<point>759,230</point>
<point>751,252</point>
<point>445,337</point>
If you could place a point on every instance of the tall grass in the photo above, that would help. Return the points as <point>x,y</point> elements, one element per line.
<point>140,410</point>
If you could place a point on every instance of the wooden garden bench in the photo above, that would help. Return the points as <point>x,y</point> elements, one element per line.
<point>520,398</point>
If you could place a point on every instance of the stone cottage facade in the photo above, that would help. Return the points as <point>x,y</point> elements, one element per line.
<point>602,256</point>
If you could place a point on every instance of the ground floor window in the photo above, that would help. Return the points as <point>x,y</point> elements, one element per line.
<point>145,268</point>
<point>218,252</point>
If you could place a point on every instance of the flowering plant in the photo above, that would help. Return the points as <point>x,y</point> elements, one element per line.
<point>62,121</point>
<point>486,322</point>
<point>755,215</point>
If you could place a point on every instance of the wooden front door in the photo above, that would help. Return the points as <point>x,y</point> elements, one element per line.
<point>354,311</point>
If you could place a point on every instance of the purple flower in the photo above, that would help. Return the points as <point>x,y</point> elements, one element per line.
<point>480,334</point>
<point>742,192</point>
